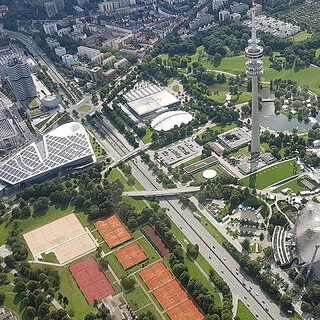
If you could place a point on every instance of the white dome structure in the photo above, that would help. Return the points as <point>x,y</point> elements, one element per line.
<point>168,120</point>
<point>209,174</point>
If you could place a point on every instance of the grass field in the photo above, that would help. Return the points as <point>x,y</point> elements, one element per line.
<point>273,174</point>
<point>40,124</point>
<point>292,185</point>
<point>115,265</point>
<point>85,108</point>
<point>4,231</point>
<point>10,302</point>
<point>136,298</point>
<point>138,204</point>
<point>149,250</point>
<point>149,308</point>
<point>301,36</point>
<point>175,88</point>
<point>147,137</point>
<point>243,312</point>
<point>69,288</point>
<point>116,174</point>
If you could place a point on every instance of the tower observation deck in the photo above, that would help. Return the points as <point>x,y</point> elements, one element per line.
<point>254,69</point>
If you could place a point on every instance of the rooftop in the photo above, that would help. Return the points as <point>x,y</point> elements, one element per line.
<point>62,146</point>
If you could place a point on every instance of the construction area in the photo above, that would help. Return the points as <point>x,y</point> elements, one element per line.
<point>65,237</point>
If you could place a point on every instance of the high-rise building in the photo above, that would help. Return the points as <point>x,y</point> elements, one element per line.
<point>254,69</point>
<point>51,9</point>
<point>60,4</point>
<point>50,28</point>
<point>20,78</point>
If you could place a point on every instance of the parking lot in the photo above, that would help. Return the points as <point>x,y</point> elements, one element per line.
<point>176,152</point>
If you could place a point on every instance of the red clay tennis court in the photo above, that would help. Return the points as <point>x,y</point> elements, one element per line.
<point>167,290</point>
<point>131,255</point>
<point>186,310</point>
<point>156,275</point>
<point>113,231</point>
<point>170,294</point>
<point>91,280</point>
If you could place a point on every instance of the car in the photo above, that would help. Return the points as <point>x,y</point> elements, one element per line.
<point>263,302</point>
<point>267,309</point>
<point>244,284</point>
<point>257,316</point>
<point>213,247</point>
<point>222,272</point>
<point>224,258</point>
<point>248,304</point>
<point>257,294</point>
<point>209,257</point>
<point>245,297</point>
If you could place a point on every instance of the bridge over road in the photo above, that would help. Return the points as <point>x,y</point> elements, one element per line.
<point>161,193</point>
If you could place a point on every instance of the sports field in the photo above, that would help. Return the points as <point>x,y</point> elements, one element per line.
<point>131,255</point>
<point>155,239</point>
<point>113,231</point>
<point>273,174</point>
<point>91,280</point>
<point>174,300</point>
<point>65,237</point>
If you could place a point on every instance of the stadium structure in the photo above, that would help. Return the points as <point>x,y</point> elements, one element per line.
<point>307,240</point>
<point>65,147</point>
<point>148,102</point>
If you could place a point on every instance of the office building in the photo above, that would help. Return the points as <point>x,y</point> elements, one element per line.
<point>224,15</point>
<point>51,9</point>
<point>68,60</point>
<point>239,7</point>
<point>21,80</point>
<point>60,51</point>
<point>50,28</point>
<point>254,69</point>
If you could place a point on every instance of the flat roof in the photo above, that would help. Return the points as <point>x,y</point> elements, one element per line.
<point>61,146</point>
<point>149,99</point>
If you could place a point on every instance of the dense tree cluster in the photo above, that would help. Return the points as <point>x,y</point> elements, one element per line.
<point>33,287</point>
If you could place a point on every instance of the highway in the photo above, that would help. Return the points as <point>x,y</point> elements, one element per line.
<point>217,256</point>
<point>162,192</point>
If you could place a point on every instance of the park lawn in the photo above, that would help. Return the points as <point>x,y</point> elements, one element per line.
<point>301,36</point>
<point>273,174</point>
<point>40,124</point>
<point>307,76</point>
<point>11,302</point>
<point>152,309</point>
<point>69,288</point>
<point>116,265</point>
<point>170,81</point>
<point>243,312</point>
<point>195,273</point>
<point>136,298</point>
<point>213,231</point>
<point>243,97</point>
<point>221,97</point>
<point>84,219</point>
<point>220,172</point>
<point>149,250</point>
<point>192,161</point>
<point>219,128</point>
<point>116,174</point>
<point>98,151</point>
<point>85,108</point>
<point>175,88</point>
<point>138,204</point>
<point>50,257</point>
<point>37,220</point>
<point>147,137</point>
<point>292,185</point>
<point>4,231</point>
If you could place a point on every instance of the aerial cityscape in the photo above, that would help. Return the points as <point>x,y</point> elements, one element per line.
<point>159,159</point>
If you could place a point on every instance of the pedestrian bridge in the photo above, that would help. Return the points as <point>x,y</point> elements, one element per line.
<point>161,193</point>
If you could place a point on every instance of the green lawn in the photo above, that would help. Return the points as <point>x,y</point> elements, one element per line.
<point>149,250</point>
<point>175,88</point>
<point>192,161</point>
<point>4,231</point>
<point>98,150</point>
<point>147,136</point>
<point>10,302</point>
<point>115,265</point>
<point>138,204</point>
<point>38,220</point>
<point>69,288</point>
<point>301,36</point>
<point>243,312</point>
<point>116,174</point>
<point>272,175</point>
<point>292,185</point>
<point>40,124</point>
<point>85,108</point>
<point>136,298</point>
<point>213,230</point>
<point>50,257</point>
<point>152,309</point>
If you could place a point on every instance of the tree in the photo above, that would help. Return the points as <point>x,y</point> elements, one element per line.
<point>43,309</point>
<point>19,287</point>
<point>246,245</point>
<point>16,213</point>
<point>2,298</point>
<point>30,312</point>
<point>65,300</point>
<point>128,283</point>
<point>192,251</point>
<point>286,303</point>
<point>268,251</point>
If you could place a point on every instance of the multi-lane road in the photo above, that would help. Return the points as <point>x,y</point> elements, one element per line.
<point>241,286</point>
